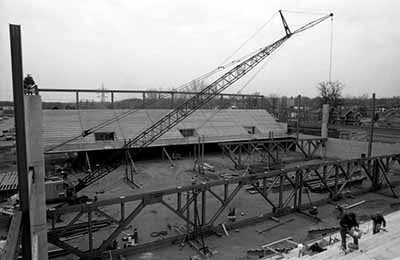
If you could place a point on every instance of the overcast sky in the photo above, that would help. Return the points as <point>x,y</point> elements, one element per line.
<point>162,44</point>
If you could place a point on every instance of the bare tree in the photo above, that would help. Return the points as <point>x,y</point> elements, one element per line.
<point>331,93</point>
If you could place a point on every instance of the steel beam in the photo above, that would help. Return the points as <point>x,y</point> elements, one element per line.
<point>196,219</point>
<point>19,113</point>
<point>265,149</point>
<point>144,92</point>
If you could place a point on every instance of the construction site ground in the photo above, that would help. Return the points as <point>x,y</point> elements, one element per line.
<point>159,174</point>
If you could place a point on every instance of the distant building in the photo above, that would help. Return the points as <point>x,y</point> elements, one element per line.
<point>348,117</point>
<point>390,118</point>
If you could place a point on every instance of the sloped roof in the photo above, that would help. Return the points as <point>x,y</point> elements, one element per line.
<point>214,125</point>
<point>8,181</point>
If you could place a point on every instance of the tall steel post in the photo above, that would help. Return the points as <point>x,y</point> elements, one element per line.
<point>371,133</point>
<point>22,166</point>
<point>298,117</point>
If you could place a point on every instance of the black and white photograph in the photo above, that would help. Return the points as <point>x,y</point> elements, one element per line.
<point>199,130</point>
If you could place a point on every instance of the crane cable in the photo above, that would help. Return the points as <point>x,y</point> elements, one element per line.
<point>331,51</point>
<point>224,65</point>
<point>251,37</point>
<point>258,71</point>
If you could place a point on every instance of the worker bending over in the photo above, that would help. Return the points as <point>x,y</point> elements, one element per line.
<point>349,225</point>
<point>378,222</point>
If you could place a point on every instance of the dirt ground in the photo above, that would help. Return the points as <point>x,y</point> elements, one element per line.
<point>158,174</point>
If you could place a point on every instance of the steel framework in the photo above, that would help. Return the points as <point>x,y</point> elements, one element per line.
<point>163,125</point>
<point>268,151</point>
<point>185,201</point>
<point>249,98</point>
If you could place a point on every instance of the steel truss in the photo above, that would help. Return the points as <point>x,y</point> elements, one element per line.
<point>268,151</point>
<point>185,201</point>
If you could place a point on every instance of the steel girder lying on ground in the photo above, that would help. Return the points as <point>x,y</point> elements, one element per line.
<point>189,203</point>
<point>268,151</point>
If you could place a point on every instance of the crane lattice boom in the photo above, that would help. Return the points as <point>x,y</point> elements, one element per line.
<point>167,122</point>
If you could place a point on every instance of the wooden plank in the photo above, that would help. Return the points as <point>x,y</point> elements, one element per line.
<point>276,242</point>
<point>11,247</point>
<point>355,204</point>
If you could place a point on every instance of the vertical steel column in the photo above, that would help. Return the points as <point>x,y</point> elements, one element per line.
<point>225,192</point>
<point>281,180</point>
<point>203,208</point>
<point>298,116</point>
<point>22,167</point>
<point>77,99</point>
<point>301,173</point>
<point>112,99</point>
<point>296,189</point>
<point>179,201</point>
<point>336,178</point>
<point>240,156</point>
<point>126,161</point>
<point>122,204</point>
<point>188,212</point>
<point>90,234</point>
<point>195,214</point>
<point>371,133</point>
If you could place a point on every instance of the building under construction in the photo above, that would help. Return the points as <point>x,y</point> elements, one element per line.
<point>188,182</point>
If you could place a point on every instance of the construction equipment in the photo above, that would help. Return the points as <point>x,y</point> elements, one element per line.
<point>152,133</point>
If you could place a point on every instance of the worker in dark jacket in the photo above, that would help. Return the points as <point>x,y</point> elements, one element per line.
<point>349,225</point>
<point>378,222</point>
<point>30,87</point>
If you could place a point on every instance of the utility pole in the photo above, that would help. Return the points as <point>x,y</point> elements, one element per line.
<point>371,134</point>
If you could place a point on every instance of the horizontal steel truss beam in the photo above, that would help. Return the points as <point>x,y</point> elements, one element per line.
<point>166,92</point>
<point>190,199</point>
<point>268,151</point>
